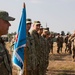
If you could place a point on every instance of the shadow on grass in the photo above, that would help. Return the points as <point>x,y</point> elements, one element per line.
<point>62,74</point>
<point>58,56</point>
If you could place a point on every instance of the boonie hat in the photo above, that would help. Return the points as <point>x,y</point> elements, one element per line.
<point>5,16</point>
<point>28,21</point>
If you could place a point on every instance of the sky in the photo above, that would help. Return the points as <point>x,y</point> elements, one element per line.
<point>58,15</point>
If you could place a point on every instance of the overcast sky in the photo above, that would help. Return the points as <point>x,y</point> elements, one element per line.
<point>59,15</point>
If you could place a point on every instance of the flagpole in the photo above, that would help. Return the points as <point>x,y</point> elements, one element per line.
<point>25,56</point>
<point>23,5</point>
<point>25,62</point>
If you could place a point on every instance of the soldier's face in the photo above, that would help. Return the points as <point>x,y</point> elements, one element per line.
<point>28,26</point>
<point>4,27</point>
<point>41,31</point>
<point>37,27</point>
<point>47,36</point>
<point>44,33</point>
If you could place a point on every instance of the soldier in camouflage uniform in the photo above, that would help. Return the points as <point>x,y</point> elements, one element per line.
<point>47,47</point>
<point>35,35</point>
<point>59,43</point>
<point>42,51</point>
<point>72,39</point>
<point>5,62</point>
<point>30,50</point>
<point>66,42</point>
<point>45,50</point>
<point>50,39</point>
<point>27,49</point>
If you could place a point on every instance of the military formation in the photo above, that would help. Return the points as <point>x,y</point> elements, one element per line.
<point>40,44</point>
<point>69,41</point>
<point>37,49</point>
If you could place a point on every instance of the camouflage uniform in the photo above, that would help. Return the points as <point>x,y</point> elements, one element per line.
<point>50,40</point>
<point>42,55</point>
<point>59,44</point>
<point>34,58</point>
<point>30,55</point>
<point>42,42</point>
<point>45,53</point>
<point>5,62</point>
<point>73,47</point>
<point>36,38</point>
<point>66,43</point>
<point>44,47</point>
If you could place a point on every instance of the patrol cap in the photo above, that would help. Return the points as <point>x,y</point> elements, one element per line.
<point>45,30</point>
<point>5,16</point>
<point>37,23</point>
<point>28,21</point>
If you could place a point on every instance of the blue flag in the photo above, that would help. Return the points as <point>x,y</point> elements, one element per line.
<point>18,54</point>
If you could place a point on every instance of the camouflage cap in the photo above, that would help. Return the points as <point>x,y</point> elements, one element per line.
<point>45,30</point>
<point>5,16</point>
<point>37,23</point>
<point>28,21</point>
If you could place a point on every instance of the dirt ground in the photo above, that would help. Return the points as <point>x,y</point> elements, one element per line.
<point>59,64</point>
